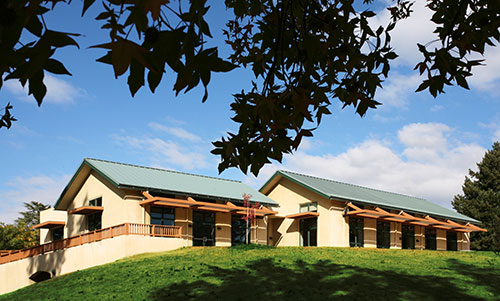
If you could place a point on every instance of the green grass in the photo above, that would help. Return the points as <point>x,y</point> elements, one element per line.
<point>295,273</point>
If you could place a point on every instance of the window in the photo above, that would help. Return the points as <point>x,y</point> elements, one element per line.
<point>96,202</point>
<point>163,216</point>
<point>408,237</point>
<point>308,232</point>
<point>451,241</point>
<point>430,239</point>
<point>94,221</point>
<point>239,230</point>
<point>57,233</point>
<point>383,235</point>
<point>309,207</point>
<point>356,226</point>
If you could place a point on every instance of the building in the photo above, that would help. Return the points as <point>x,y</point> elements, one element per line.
<point>111,210</point>
<point>320,212</point>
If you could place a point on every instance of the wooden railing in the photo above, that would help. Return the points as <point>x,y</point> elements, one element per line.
<point>97,235</point>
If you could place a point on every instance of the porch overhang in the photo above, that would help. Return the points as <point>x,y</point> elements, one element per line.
<point>189,202</point>
<point>86,210</point>
<point>49,225</point>
<point>303,215</point>
<point>407,218</point>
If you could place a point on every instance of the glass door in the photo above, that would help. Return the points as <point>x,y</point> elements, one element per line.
<point>383,235</point>
<point>408,237</point>
<point>239,230</point>
<point>308,231</point>
<point>356,228</point>
<point>451,241</point>
<point>430,239</point>
<point>203,228</point>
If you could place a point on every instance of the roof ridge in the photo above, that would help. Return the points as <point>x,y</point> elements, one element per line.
<point>355,185</point>
<point>163,169</point>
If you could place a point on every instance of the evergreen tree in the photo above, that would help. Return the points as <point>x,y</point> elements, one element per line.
<point>481,200</point>
<point>21,234</point>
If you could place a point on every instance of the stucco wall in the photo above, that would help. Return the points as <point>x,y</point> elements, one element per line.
<point>50,215</point>
<point>370,233</point>
<point>440,239</point>
<point>419,237</point>
<point>222,229</point>
<point>396,233</point>
<point>117,208</point>
<point>332,227</point>
<point>16,274</point>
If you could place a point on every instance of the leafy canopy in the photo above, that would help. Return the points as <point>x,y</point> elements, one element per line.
<point>481,200</point>
<point>21,234</point>
<point>304,54</point>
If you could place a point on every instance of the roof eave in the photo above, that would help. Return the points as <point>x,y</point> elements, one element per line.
<point>194,195</point>
<point>85,162</point>
<point>470,220</point>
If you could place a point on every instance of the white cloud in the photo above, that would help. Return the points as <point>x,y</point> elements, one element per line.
<point>487,77</point>
<point>42,188</point>
<point>424,141</point>
<point>397,89</point>
<point>436,174</point>
<point>59,91</point>
<point>168,152</point>
<point>175,131</point>
<point>408,32</point>
<point>418,28</point>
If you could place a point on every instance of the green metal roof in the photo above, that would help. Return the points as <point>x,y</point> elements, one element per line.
<point>349,192</point>
<point>147,178</point>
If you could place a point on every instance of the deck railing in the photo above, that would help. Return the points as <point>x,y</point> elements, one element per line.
<point>97,235</point>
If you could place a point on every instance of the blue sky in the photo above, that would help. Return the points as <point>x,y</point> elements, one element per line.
<point>413,144</point>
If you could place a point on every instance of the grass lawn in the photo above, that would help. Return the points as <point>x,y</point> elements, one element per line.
<point>294,273</point>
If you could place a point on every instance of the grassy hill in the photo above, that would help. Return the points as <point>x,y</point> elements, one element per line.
<point>263,273</point>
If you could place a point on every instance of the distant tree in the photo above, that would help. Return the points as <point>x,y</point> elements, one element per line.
<point>31,216</point>
<point>304,54</point>
<point>21,234</point>
<point>481,200</point>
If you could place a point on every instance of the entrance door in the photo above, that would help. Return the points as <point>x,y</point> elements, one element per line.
<point>408,237</point>
<point>451,241</point>
<point>308,231</point>
<point>430,239</point>
<point>356,230</point>
<point>383,235</point>
<point>203,228</point>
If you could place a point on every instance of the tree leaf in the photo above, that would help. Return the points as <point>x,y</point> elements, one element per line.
<point>55,67</point>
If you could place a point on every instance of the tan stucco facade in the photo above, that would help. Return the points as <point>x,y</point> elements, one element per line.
<point>122,206</point>
<point>332,225</point>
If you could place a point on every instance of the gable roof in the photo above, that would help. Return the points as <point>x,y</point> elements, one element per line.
<point>337,190</point>
<point>131,176</point>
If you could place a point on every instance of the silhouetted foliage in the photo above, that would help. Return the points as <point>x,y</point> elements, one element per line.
<point>303,53</point>
<point>481,200</point>
<point>21,234</point>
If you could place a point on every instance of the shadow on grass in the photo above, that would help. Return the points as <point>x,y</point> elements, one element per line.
<point>265,279</point>
<point>481,276</point>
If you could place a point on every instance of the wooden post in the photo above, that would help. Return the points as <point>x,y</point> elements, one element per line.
<point>180,231</point>
<point>153,230</point>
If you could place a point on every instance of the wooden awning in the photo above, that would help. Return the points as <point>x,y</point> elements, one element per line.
<point>189,202</point>
<point>303,215</point>
<point>406,218</point>
<point>49,225</point>
<point>86,210</point>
